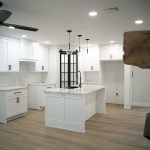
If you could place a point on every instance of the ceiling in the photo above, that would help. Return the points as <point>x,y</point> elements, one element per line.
<point>54,17</point>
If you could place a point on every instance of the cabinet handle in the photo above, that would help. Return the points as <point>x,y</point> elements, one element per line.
<point>17,92</point>
<point>42,67</point>
<point>18,100</point>
<point>9,67</point>
<point>110,56</point>
<point>92,67</point>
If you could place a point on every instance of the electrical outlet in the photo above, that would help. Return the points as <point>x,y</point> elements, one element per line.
<point>117,94</point>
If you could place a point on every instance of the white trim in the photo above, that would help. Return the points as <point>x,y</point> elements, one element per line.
<point>127,107</point>
<point>114,102</point>
<point>142,104</point>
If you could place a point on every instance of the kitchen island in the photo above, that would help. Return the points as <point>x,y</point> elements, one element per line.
<point>70,108</point>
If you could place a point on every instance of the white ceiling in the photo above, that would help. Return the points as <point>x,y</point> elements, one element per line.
<point>54,17</point>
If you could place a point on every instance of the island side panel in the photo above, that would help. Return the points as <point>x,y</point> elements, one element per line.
<point>74,112</point>
<point>90,105</point>
<point>101,101</point>
<point>54,110</point>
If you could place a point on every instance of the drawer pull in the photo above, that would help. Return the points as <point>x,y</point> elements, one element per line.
<point>17,92</point>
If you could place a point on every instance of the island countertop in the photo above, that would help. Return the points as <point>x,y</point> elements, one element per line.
<point>82,90</point>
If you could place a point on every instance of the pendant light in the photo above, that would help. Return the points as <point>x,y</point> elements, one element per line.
<point>87,44</point>
<point>79,42</point>
<point>69,31</point>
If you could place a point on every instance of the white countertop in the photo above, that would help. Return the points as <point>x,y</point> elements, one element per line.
<point>83,90</point>
<point>42,84</point>
<point>8,88</point>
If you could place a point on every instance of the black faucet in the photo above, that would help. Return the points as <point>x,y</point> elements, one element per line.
<point>80,79</point>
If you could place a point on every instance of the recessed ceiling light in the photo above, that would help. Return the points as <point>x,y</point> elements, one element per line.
<point>112,42</point>
<point>93,13</point>
<point>138,22</point>
<point>10,27</point>
<point>23,36</point>
<point>46,42</point>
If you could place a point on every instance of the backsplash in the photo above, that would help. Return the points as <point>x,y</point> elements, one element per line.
<point>24,77</point>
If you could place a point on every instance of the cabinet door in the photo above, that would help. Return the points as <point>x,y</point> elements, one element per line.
<point>21,104</point>
<point>41,53</point>
<point>11,107</point>
<point>13,56</point>
<point>105,52</point>
<point>117,52</point>
<point>91,60</point>
<point>111,52</point>
<point>43,96</point>
<point>26,51</point>
<point>86,60</point>
<point>3,56</point>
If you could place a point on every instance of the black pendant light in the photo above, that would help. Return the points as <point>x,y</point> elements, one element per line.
<point>87,44</point>
<point>79,42</point>
<point>69,31</point>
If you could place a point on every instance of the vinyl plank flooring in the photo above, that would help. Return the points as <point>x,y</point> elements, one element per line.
<point>119,129</point>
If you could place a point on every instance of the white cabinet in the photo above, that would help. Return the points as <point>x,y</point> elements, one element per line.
<point>13,104</point>
<point>9,56</point>
<point>111,52</point>
<point>91,60</point>
<point>37,95</point>
<point>26,51</point>
<point>41,53</point>
<point>13,56</point>
<point>3,56</point>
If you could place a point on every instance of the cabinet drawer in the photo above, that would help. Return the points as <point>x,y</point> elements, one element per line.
<point>15,93</point>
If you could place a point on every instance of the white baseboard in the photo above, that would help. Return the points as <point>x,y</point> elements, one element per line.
<point>142,104</point>
<point>127,107</point>
<point>114,102</point>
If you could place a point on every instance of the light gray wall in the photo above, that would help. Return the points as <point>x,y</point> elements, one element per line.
<point>113,78</point>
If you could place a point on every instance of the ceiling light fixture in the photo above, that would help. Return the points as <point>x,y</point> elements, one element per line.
<point>23,36</point>
<point>10,27</point>
<point>138,22</point>
<point>93,13</point>
<point>46,42</point>
<point>79,42</point>
<point>111,42</point>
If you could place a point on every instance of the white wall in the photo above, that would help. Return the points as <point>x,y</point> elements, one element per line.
<point>23,77</point>
<point>141,87</point>
<point>113,78</point>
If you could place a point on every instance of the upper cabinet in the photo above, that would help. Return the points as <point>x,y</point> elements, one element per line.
<point>41,54</point>
<point>9,56</point>
<point>26,51</point>
<point>91,60</point>
<point>111,52</point>
<point>3,56</point>
<point>13,56</point>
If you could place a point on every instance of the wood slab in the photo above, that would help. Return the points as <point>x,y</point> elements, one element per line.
<point>136,48</point>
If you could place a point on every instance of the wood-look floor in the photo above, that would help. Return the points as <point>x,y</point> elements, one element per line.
<point>119,129</point>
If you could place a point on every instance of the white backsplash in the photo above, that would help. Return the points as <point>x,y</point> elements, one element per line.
<point>24,77</point>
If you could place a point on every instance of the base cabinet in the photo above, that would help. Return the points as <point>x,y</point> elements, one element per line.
<point>37,95</point>
<point>13,103</point>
